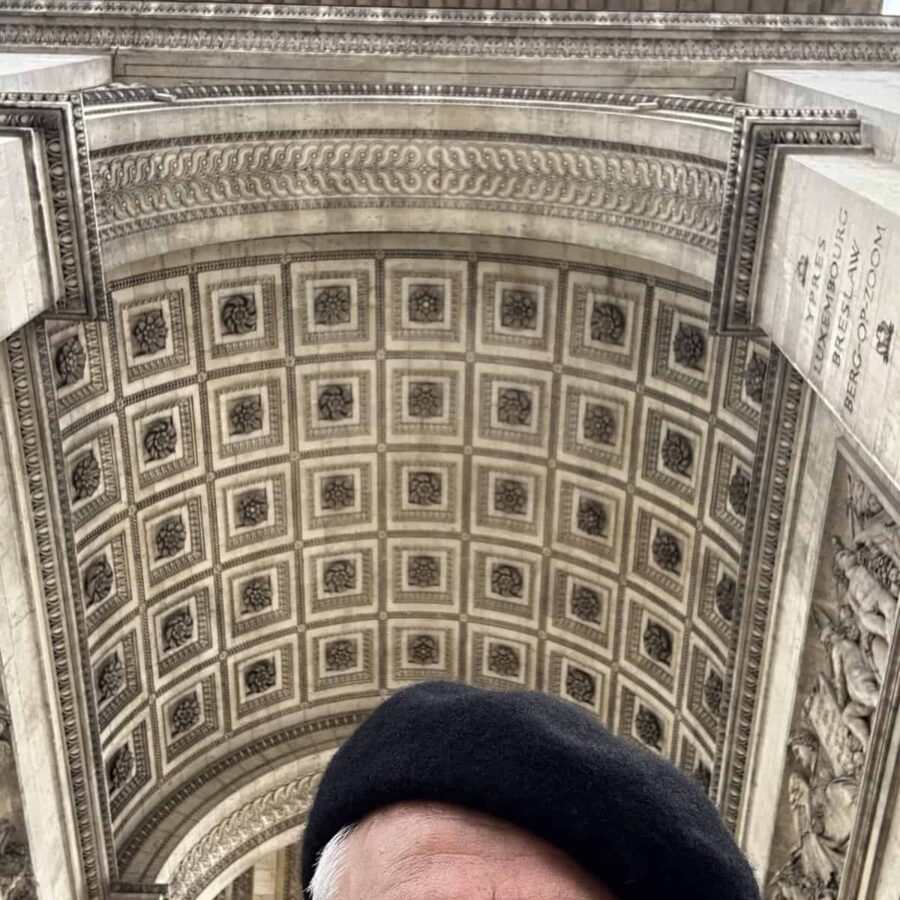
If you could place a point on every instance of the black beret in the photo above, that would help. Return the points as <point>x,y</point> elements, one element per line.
<point>632,819</point>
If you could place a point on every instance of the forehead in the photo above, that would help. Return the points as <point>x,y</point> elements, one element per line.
<point>419,852</point>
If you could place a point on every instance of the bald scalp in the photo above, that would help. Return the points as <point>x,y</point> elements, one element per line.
<point>433,851</point>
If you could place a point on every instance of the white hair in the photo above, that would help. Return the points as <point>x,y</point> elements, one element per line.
<point>330,866</point>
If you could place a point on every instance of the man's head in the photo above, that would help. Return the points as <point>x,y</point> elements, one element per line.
<point>457,792</point>
<point>416,850</point>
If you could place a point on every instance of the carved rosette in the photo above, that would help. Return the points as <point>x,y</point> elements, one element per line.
<point>260,676</point>
<point>599,424</point>
<point>677,453</point>
<point>726,592</point>
<point>580,685</point>
<point>518,309</point>
<point>514,407</point>
<point>689,346</point>
<point>422,650</point>
<point>504,660</point>
<point>607,324</point>
<point>739,492</point>
<point>246,416</point>
<point>424,489</point>
<point>712,692</point>
<point>85,477</point>
<point>252,508</point>
<point>586,604</point>
<point>160,439</point>
<point>423,571</point>
<point>507,581</point>
<point>238,314</point>
<point>149,333</point>
<point>110,678</point>
<point>171,537</point>
<point>69,362</point>
<point>256,594</point>
<point>666,551</point>
<point>331,305</point>
<point>120,768</point>
<point>338,492</point>
<point>755,377</point>
<point>177,629</point>
<point>340,655</point>
<point>335,402</point>
<point>339,576</point>
<point>185,714</point>
<point>98,580</point>
<point>657,642</point>
<point>425,400</point>
<point>425,304</point>
<point>591,517</point>
<point>649,728</point>
<point>510,497</point>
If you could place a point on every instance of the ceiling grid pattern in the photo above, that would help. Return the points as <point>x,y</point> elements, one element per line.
<point>329,475</point>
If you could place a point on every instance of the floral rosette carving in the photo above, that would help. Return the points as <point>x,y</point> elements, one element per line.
<point>422,649</point>
<point>424,489</point>
<point>423,571</point>
<point>425,400</point>
<point>580,685</point>
<point>98,580</point>
<point>586,603</point>
<point>331,305</point>
<point>246,416</point>
<point>177,629</point>
<point>510,497</point>
<point>260,677</point>
<point>335,402</point>
<point>69,361</point>
<point>507,581</point>
<point>504,660</point>
<point>238,314</point>
<point>514,407</point>
<point>648,728</point>
<point>666,551</point>
<point>339,576</point>
<point>340,655</point>
<point>677,453</point>
<point>657,642</point>
<point>256,594</point>
<point>171,537</point>
<point>599,424</point>
<point>110,678</point>
<point>689,346</point>
<point>85,477</point>
<point>149,333</point>
<point>160,439</point>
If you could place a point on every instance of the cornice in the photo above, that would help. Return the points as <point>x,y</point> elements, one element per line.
<point>477,18</point>
<point>222,27</point>
<point>760,137</point>
<point>646,104</point>
<point>53,126</point>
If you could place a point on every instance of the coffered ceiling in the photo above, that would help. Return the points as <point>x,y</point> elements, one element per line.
<point>295,481</point>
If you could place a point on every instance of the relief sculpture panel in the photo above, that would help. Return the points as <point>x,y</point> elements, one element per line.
<point>838,715</point>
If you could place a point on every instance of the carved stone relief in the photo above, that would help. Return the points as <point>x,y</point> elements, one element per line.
<point>142,187</point>
<point>17,880</point>
<point>848,650</point>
